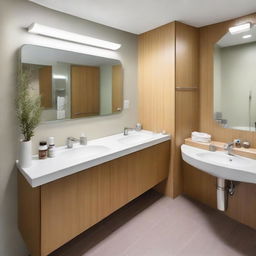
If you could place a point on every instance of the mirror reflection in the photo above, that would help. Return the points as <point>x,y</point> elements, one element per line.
<point>73,85</point>
<point>235,81</point>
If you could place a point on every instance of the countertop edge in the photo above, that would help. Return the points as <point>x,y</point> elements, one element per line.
<point>88,164</point>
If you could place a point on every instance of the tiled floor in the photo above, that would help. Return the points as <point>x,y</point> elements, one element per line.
<point>159,226</point>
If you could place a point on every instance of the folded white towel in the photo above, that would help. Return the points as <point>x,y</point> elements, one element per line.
<point>61,114</point>
<point>201,135</point>
<point>60,103</point>
<point>198,139</point>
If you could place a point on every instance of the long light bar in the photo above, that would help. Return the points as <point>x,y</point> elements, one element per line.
<point>36,28</point>
<point>240,28</point>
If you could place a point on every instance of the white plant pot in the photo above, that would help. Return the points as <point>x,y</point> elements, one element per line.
<point>25,159</point>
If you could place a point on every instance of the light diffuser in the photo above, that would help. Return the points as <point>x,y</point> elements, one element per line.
<point>36,28</point>
<point>240,28</point>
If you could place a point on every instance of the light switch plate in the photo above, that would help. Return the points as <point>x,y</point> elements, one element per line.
<point>126,104</point>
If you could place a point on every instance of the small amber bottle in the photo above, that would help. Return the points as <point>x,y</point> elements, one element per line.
<point>42,150</point>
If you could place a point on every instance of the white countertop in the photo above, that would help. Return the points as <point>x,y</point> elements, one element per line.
<point>79,158</point>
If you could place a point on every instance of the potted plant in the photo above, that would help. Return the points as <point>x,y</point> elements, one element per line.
<point>28,111</point>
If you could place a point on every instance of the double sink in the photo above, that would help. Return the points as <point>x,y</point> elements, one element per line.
<point>69,161</point>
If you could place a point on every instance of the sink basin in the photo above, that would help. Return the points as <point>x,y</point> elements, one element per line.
<point>220,164</point>
<point>225,159</point>
<point>84,151</point>
<point>135,137</point>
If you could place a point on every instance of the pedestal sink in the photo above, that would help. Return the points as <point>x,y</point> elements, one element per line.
<point>220,164</point>
<point>223,167</point>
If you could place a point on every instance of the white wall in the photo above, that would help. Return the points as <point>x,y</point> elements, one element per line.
<point>15,15</point>
<point>217,79</point>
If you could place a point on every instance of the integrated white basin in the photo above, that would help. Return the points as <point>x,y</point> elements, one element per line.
<point>80,158</point>
<point>83,151</point>
<point>136,137</point>
<point>220,164</point>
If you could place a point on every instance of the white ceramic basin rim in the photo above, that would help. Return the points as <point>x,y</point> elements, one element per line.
<point>135,137</point>
<point>220,164</point>
<point>85,151</point>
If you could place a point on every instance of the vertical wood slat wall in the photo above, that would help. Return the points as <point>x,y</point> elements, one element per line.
<point>197,184</point>
<point>168,94</point>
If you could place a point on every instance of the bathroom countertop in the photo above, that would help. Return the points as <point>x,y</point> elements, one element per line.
<point>79,158</point>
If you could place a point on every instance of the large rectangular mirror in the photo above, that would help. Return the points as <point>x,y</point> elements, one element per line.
<point>235,81</point>
<point>73,85</point>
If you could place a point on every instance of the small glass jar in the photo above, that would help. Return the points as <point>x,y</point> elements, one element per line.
<point>42,150</point>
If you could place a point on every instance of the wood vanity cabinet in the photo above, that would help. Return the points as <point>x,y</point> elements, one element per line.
<point>52,214</point>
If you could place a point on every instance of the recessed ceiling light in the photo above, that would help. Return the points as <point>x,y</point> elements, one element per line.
<point>240,28</point>
<point>69,36</point>
<point>247,36</point>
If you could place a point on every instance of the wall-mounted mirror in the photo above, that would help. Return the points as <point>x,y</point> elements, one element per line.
<point>73,85</point>
<point>235,80</point>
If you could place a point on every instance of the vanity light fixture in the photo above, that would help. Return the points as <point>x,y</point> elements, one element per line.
<point>247,36</point>
<point>36,28</point>
<point>240,28</point>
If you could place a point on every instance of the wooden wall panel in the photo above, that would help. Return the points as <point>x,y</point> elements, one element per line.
<point>186,104</point>
<point>242,205</point>
<point>168,59</point>
<point>85,91</point>
<point>117,88</point>
<point>156,79</point>
<point>45,86</point>
<point>187,55</point>
<point>186,122</point>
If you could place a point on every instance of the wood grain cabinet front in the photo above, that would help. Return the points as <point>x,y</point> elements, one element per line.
<point>54,213</point>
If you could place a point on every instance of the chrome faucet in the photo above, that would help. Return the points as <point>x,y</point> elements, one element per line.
<point>127,129</point>
<point>137,128</point>
<point>229,147</point>
<point>70,141</point>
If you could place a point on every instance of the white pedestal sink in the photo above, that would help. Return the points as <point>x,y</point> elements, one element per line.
<point>222,166</point>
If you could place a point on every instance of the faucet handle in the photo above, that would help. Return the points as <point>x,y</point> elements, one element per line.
<point>228,145</point>
<point>70,141</point>
<point>83,139</point>
<point>138,127</point>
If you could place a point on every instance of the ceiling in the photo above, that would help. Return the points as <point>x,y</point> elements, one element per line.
<point>138,16</point>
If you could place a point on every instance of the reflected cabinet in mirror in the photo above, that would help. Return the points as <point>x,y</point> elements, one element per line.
<point>235,80</point>
<point>73,85</point>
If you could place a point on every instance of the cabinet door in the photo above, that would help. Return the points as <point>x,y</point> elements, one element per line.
<point>73,204</point>
<point>134,174</point>
<point>85,82</point>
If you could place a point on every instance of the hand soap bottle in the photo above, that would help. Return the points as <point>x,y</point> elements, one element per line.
<point>51,147</point>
